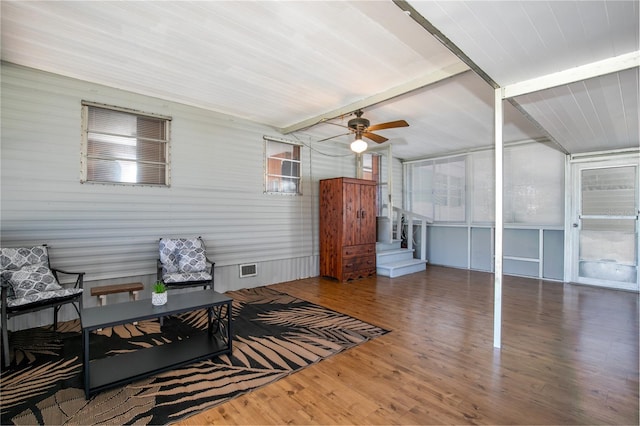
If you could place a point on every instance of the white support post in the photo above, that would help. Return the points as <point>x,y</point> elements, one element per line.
<point>389,190</point>
<point>359,166</point>
<point>541,253</point>
<point>497,304</point>
<point>423,240</point>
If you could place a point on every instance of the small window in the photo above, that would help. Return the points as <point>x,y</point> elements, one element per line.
<point>124,146</point>
<point>282,167</point>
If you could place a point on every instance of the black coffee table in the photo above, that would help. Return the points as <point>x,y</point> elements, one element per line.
<point>100,374</point>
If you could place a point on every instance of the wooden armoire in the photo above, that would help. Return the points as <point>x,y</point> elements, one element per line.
<point>347,228</point>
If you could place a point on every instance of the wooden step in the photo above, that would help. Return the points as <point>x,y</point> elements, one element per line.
<point>400,268</point>
<point>392,256</point>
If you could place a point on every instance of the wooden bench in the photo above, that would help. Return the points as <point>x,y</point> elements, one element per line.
<point>102,291</point>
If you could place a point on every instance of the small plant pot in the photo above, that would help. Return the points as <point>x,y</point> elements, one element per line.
<point>158,299</point>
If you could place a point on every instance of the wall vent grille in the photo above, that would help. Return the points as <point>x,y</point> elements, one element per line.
<point>248,270</point>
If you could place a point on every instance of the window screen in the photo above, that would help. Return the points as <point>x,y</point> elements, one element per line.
<point>122,146</point>
<point>282,167</point>
<point>609,191</point>
<point>533,186</point>
<point>436,188</point>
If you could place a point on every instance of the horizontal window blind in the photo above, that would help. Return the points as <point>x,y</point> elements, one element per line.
<point>125,147</point>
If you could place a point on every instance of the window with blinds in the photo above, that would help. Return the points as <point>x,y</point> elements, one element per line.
<point>124,146</point>
<point>282,167</point>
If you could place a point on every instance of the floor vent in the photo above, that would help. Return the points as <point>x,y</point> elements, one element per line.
<point>248,270</point>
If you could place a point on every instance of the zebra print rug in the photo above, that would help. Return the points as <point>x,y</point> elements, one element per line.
<point>275,335</point>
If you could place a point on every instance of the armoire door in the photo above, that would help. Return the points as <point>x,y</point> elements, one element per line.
<point>351,203</point>
<point>367,231</point>
<point>360,214</point>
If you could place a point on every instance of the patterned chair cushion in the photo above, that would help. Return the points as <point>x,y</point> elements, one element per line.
<point>182,255</point>
<point>45,295</point>
<point>16,258</point>
<point>191,260</point>
<point>179,277</point>
<point>29,276</point>
<point>31,279</point>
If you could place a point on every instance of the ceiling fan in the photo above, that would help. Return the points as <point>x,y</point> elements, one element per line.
<point>362,128</point>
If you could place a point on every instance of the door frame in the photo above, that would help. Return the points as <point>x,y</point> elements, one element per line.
<point>385,179</point>
<point>575,164</point>
<point>386,175</point>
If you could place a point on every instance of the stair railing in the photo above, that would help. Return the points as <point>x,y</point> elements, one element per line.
<point>408,218</point>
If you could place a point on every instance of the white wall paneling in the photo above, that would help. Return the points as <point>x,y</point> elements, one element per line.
<point>530,251</point>
<point>111,231</point>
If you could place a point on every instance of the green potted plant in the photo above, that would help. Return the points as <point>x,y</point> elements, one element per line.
<point>159,294</point>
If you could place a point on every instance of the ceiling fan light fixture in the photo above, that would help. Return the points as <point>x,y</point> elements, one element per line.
<point>359,146</point>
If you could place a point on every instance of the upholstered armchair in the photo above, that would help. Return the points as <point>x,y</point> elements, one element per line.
<point>30,284</point>
<point>183,263</point>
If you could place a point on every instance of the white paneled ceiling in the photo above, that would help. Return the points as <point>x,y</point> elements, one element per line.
<point>271,62</point>
<point>513,41</point>
<point>516,41</point>
<point>292,64</point>
<point>590,115</point>
<point>450,116</point>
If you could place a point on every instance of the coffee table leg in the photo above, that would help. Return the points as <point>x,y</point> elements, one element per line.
<point>218,318</point>
<point>229,334</point>
<point>85,360</point>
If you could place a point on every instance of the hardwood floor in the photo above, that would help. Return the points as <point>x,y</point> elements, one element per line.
<point>569,356</point>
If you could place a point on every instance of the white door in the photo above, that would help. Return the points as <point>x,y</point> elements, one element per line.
<point>604,229</point>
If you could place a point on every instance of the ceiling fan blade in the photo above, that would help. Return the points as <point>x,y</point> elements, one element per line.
<point>389,125</point>
<point>374,137</point>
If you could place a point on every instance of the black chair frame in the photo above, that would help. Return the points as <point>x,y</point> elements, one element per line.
<point>186,284</point>
<point>55,303</point>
